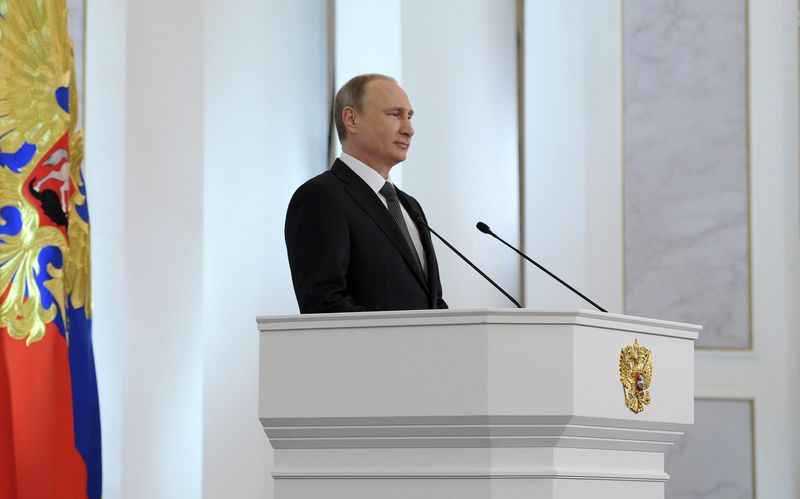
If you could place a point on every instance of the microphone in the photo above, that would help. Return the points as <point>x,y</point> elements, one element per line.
<point>419,220</point>
<point>486,230</point>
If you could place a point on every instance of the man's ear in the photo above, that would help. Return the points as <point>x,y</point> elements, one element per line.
<point>350,120</point>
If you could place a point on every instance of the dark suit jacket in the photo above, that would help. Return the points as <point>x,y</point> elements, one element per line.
<point>347,254</point>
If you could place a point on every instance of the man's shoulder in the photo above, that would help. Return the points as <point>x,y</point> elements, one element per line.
<point>324,188</point>
<point>323,179</point>
<point>333,177</point>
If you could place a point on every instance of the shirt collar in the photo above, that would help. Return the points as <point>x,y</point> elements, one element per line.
<point>373,179</point>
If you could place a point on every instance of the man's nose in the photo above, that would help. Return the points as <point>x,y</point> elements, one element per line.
<point>407,129</point>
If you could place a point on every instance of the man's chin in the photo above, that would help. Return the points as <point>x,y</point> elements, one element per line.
<point>400,157</point>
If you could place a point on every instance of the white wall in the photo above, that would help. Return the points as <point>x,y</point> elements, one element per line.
<point>790,34</point>
<point>265,133</point>
<point>145,188</point>
<point>201,122</point>
<point>573,146</point>
<point>104,168</point>
<point>775,219</point>
<point>367,38</point>
<point>163,252</point>
<point>194,145</point>
<point>459,69</point>
<point>775,257</point>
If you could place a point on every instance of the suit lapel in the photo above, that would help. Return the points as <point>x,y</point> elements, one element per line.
<point>366,198</point>
<point>427,245</point>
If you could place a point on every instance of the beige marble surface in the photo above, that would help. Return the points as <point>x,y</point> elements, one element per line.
<point>714,460</point>
<point>686,184</point>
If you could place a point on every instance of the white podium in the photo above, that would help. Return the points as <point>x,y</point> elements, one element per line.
<point>475,404</point>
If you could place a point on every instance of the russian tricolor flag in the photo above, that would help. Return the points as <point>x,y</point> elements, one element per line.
<point>49,410</point>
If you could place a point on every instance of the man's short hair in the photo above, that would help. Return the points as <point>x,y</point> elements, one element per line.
<point>352,95</point>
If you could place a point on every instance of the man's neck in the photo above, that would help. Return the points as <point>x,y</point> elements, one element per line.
<point>384,172</point>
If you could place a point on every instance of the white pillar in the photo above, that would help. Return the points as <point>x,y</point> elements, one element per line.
<point>573,144</point>
<point>367,38</point>
<point>104,167</point>
<point>459,69</point>
<point>775,244</point>
<point>265,114</point>
<point>163,251</point>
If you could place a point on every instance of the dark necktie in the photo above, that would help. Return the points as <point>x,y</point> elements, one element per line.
<point>393,203</point>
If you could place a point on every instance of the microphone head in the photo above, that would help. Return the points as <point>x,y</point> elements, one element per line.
<point>483,228</point>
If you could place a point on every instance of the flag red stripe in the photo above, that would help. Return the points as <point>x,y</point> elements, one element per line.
<point>46,462</point>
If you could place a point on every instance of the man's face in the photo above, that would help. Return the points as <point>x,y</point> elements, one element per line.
<point>382,132</point>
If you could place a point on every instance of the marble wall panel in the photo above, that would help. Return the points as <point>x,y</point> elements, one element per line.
<point>686,166</point>
<point>714,460</point>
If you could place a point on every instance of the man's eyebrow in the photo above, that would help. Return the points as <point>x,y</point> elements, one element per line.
<point>399,109</point>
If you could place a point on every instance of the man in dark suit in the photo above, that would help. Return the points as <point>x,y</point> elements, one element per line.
<point>353,239</point>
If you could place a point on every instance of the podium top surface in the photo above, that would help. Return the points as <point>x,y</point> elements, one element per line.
<point>410,318</point>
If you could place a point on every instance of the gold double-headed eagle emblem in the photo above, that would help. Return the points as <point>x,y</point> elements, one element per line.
<point>636,372</point>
